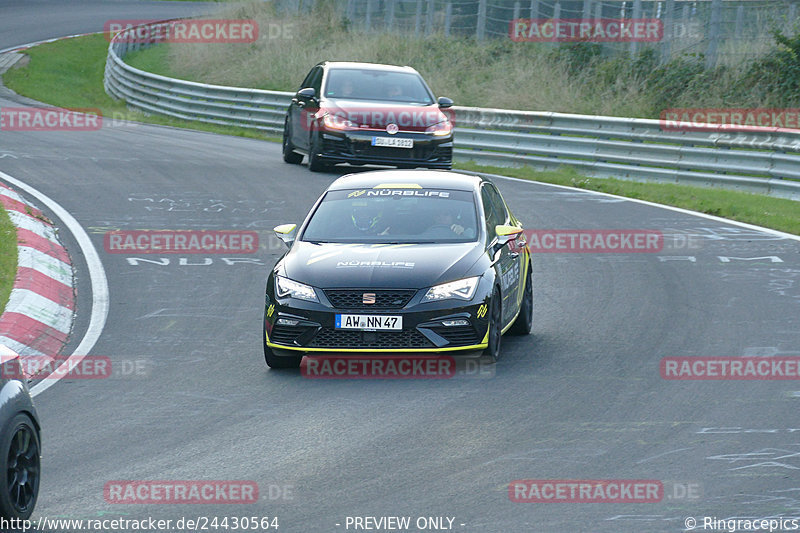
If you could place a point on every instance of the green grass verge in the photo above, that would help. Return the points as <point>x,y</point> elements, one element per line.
<point>8,257</point>
<point>69,73</point>
<point>775,213</point>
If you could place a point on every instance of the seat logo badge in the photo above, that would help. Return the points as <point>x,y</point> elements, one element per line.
<point>481,311</point>
<point>368,298</point>
<point>391,129</point>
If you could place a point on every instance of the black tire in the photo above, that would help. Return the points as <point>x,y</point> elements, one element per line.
<point>20,467</point>
<point>315,164</point>
<point>495,327</point>
<point>280,361</point>
<point>524,321</point>
<point>289,155</point>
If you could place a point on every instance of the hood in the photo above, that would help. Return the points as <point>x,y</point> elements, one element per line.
<point>378,115</point>
<point>406,266</point>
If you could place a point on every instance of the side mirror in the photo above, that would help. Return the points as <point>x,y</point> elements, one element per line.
<point>505,234</point>
<point>445,102</point>
<point>286,232</point>
<point>307,93</point>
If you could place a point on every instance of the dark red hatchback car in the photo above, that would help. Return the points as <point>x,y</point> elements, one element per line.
<point>366,113</point>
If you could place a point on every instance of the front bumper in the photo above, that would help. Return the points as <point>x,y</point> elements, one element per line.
<point>355,147</point>
<point>423,330</point>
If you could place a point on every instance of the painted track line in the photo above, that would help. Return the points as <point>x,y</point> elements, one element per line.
<point>97,277</point>
<point>645,202</point>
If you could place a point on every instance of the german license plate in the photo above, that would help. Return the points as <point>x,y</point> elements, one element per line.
<point>393,142</point>
<point>369,322</point>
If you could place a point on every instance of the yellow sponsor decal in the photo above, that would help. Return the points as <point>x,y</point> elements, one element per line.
<point>270,309</point>
<point>398,186</point>
<point>356,194</point>
<point>482,311</point>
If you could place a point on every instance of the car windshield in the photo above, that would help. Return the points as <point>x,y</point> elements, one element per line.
<point>387,86</point>
<point>392,215</point>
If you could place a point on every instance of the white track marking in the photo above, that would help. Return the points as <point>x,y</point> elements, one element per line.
<point>645,202</point>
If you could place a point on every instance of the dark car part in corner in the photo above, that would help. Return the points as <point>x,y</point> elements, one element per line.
<point>20,445</point>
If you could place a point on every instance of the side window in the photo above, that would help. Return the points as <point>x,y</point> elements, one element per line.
<point>489,212</point>
<point>307,80</point>
<point>316,80</point>
<point>498,206</point>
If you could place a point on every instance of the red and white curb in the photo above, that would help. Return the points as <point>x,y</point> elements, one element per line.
<point>39,314</point>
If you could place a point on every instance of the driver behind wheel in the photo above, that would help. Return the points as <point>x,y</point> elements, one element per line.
<point>444,218</point>
<point>368,218</point>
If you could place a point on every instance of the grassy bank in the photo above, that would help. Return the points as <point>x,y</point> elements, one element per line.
<point>571,78</point>
<point>8,257</point>
<point>69,73</point>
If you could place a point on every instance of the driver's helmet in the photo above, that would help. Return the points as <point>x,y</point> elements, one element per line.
<point>365,216</point>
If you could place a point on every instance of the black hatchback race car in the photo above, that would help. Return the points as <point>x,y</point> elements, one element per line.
<point>366,113</point>
<point>20,451</point>
<point>399,261</point>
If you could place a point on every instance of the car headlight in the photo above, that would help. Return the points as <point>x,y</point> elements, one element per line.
<point>440,128</point>
<point>336,122</point>
<point>293,289</point>
<point>463,289</point>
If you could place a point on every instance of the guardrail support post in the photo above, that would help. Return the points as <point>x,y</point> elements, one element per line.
<point>637,14</point>
<point>737,32</point>
<point>448,17</point>
<point>587,9</point>
<point>669,32</point>
<point>429,17</point>
<point>368,16</point>
<point>418,19</point>
<point>714,33</point>
<point>389,20</point>
<point>480,27</point>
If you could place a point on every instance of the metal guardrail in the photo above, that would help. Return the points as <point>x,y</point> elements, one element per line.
<point>765,163</point>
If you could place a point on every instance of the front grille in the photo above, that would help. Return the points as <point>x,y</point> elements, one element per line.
<point>354,299</point>
<point>334,338</point>
<point>458,335</point>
